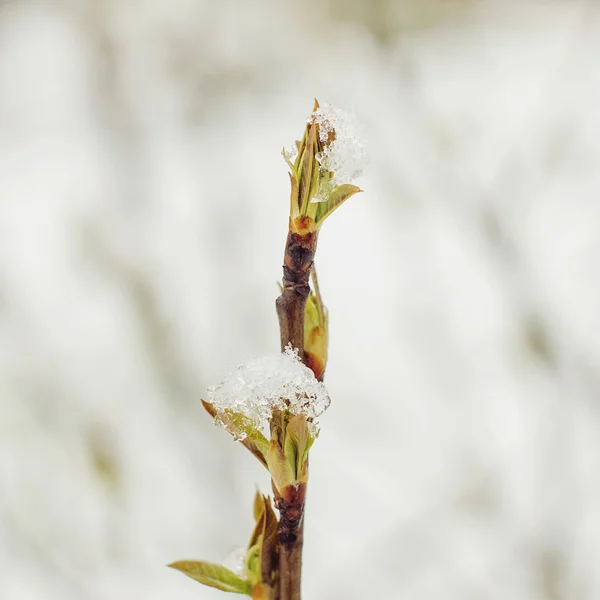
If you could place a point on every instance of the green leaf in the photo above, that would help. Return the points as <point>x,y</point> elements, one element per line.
<point>300,147</point>
<point>281,470</point>
<point>315,330</point>
<point>252,563</point>
<point>242,428</point>
<point>306,180</point>
<point>268,552</point>
<point>314,180</point>
<point>258,529</point>
<point>337,197</point>
<point>215,576</point>
<point>297,443</point>
<point>294,209</point>
<point>264,538</point>
<point>259,506</point>
<point>240,424</point>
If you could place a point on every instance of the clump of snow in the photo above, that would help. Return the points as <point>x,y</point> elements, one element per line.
<point>344,152</point>
<point>260,385</point>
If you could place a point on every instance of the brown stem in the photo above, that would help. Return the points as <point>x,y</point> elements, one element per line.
<point>290,538</point>
<point>297,263</point>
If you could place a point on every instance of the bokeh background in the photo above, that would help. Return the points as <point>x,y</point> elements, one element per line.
<point>143,208</point>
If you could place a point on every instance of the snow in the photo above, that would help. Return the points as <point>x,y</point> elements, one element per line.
<point>279,381</point>
<point>346,155</point>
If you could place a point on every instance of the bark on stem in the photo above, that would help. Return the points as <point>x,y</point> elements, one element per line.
<point>290,537</point>
<point>297,263</point>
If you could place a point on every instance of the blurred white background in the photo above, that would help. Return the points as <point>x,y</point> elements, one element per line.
<point>143,213</point>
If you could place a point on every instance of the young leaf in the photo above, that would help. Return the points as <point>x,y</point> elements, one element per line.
<point>314,180</point>
<point>258,529</point>
<point>259,506</point>
<point>303,474</point>
<point>242,429</point>
<point>214,576</point>
<point>294,196</point>
<point>297,442</point>
<point>270,530</point>
<point>315,330</point>
<point>252,563</point>
<point>337,197</point>
<point>268,554</point>
<point>260,558</point>
<point>306,181</point>
<point>239,424</point>
<point>281,470</point>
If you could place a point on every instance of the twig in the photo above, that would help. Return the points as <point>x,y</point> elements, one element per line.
<point>297,264</point>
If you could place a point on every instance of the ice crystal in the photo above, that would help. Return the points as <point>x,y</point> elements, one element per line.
<point>235,561</point>
<point>344,152</point>
<point>291,153</point>
<point>255,388</point>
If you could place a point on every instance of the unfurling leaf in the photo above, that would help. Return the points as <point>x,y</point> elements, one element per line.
<point>298,441</point>
<point>261,555</point>
<point>242,429</point>
<point>252,563</point>
<point>268,554</point>
<point>306,183</point>
<point>259,517</point>
<point>316,337</point>
<point>305,170</point>
<point>293,196</point>
<point>241,426</point>
<point>330,156</point>
<point>335,199</point>
<point>282,472</point>
<point>259,506</point>
<point>215,576</point>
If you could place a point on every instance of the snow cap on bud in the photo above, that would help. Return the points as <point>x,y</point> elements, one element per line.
<point>253,390</point>
<point>245,402</point>
<point>343,153</point>
<point>327,160</point>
